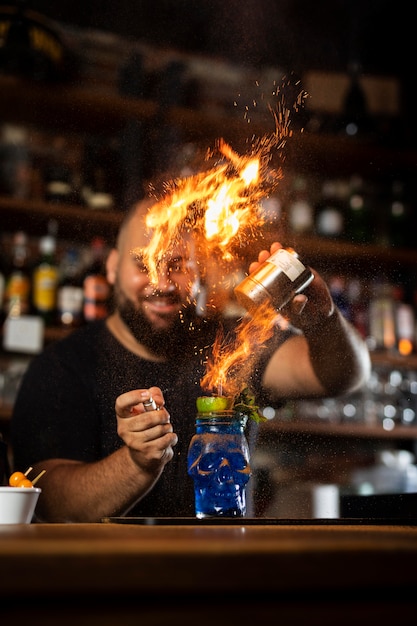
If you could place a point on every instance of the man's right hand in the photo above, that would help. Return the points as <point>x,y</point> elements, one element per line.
<point>147,433</point>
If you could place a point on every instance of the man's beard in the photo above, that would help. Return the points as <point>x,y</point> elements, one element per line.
<point>161,342</point>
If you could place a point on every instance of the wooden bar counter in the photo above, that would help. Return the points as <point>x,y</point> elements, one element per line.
<point>60,574</point>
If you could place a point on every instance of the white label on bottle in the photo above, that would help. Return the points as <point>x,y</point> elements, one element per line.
<point>301,216</point>
<point>405,321</point>
<point>23,334</point>
<point>288,263</point>
<point>70,299</point>
<point>330,222</point>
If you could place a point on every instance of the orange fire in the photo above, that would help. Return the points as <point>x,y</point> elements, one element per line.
<point>231,363</point>
<point>222,209</point>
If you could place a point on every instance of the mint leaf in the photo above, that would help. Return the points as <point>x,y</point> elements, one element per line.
<point>245,403</point>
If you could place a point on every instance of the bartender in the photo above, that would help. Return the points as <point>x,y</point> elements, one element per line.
<point>80,413</point>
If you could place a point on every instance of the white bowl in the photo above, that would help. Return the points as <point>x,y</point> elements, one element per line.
<point>17,504</point>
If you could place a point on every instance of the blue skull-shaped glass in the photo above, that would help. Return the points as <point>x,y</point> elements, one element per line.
<point>218,462</point>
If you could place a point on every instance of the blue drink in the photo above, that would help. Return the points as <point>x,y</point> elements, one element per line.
<point>218,462</point>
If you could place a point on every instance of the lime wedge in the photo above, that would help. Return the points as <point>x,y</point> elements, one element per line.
<point>210,404</point>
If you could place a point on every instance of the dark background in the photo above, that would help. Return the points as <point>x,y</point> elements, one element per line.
<point>288,36</point>
<point>293,34</point>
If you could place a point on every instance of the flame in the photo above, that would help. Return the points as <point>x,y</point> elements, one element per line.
<point>221,207</point>
<point>231,363</point>
<point>222,210</point>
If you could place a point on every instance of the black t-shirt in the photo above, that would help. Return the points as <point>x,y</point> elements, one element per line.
<point>65,405</point>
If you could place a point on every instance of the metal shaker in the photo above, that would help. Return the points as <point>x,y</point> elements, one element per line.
<point>278,280</point>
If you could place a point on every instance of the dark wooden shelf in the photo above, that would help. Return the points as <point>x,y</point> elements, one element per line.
<point>300,427</point>
<point>82,223</point>
<point>74,222</point>
<point>395,360</point>
<point>71,108</point>
<point>277,427</point>
<point>332,250</point>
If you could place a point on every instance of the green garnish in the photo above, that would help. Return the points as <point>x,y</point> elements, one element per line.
<point>208,404</point>
<point>245,403</point>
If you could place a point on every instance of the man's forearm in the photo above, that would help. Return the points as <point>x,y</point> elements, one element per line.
<point>338,354</point>
<point>85,492</point>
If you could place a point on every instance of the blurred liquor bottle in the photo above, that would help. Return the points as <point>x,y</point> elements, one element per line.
<point>330,212</point>
<point>405,324</point>
<point>400,232</point>
<point>355,120</point>
<point>17,292</point>
<point>70,296</point>
<point>61,171</point>
<point>101,176</point>
<point>357,293</point>
<point>338,291</point>
<point>300,210</point>
<point>96,289</point>
<point>360,224</point>
<point>15,161</point>
<point>382,326</point>
<point>45,281</point>
<point>58,184</point>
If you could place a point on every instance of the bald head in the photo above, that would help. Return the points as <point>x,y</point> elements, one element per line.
<point>135,219</point>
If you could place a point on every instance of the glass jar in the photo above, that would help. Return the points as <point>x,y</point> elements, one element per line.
<point>219,463</point>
